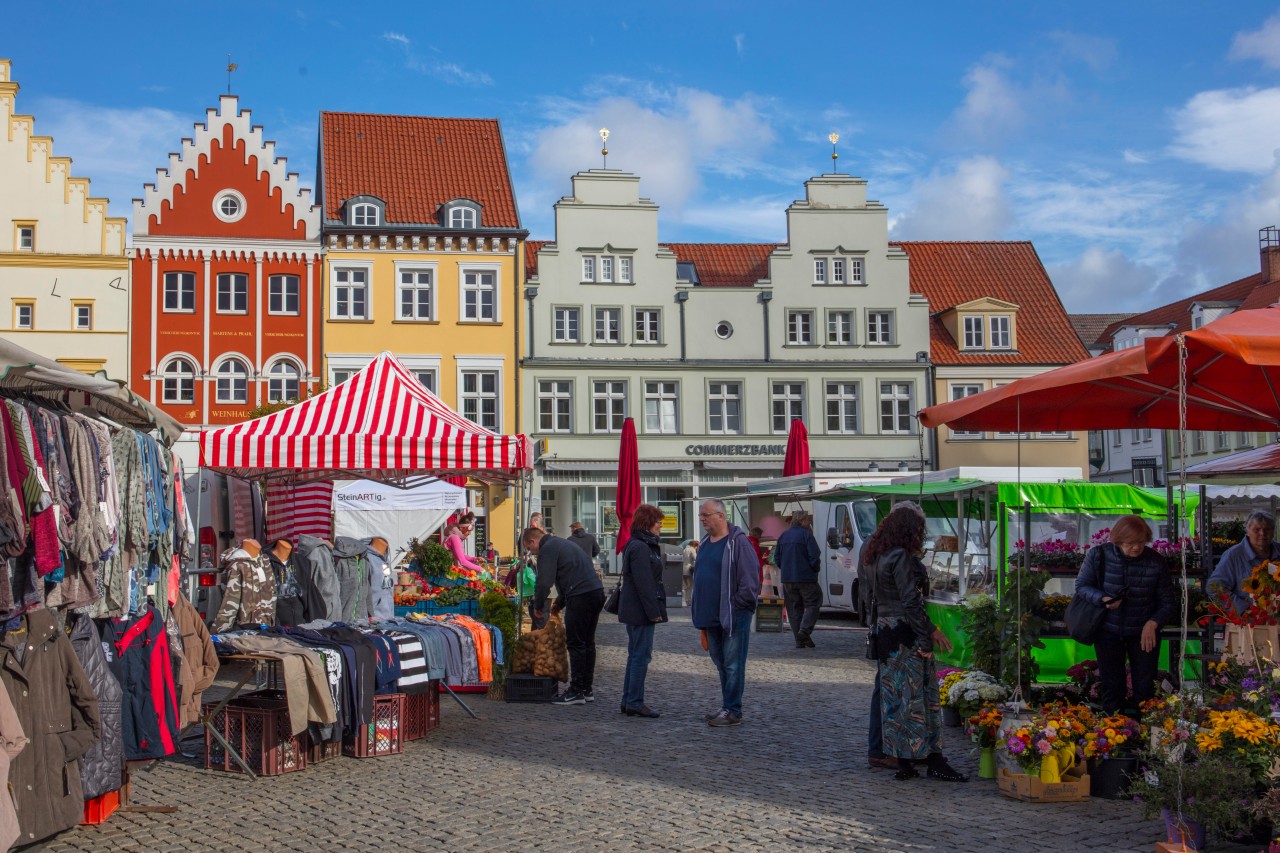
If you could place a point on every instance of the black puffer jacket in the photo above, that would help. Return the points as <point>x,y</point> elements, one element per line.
<point>643,600</point>
<point>100,767</point>
<point>1108,572</point>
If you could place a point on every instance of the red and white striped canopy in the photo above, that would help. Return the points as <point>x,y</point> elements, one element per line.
<point>381,424</point>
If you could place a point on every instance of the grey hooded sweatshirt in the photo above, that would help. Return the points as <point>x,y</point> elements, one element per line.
<point>313,566</point>
<point>352,565</point>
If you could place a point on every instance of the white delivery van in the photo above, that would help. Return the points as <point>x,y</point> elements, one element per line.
<point>224,511</point>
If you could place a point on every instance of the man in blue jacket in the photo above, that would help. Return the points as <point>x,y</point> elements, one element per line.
<point>726,584</point>
<point>798,556</point>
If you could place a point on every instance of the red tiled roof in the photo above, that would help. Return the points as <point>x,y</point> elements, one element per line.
<point>951,274</point>
<point>531,249</point>
<point>1178,314</point>
<point>726,264</point>
<point>415,164</point>
<point>1089,326</point>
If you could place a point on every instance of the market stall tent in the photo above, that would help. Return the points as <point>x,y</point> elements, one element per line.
<point>363,508</point>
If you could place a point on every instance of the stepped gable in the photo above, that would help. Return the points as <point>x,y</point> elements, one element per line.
<point>226,152</point>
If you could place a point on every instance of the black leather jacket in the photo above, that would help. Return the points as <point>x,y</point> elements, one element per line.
<point>900,583</point>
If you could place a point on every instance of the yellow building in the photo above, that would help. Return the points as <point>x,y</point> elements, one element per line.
<point>423,247</point>
<point>64,273</point>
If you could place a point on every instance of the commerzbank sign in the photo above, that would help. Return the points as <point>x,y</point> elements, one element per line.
<point>735,450</point>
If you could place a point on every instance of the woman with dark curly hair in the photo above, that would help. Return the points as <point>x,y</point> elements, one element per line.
<point>907,680</point>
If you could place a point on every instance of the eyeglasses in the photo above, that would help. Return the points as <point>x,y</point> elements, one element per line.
<point>709,514</point>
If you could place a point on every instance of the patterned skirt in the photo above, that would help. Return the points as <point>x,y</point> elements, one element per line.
<point>909,705</point>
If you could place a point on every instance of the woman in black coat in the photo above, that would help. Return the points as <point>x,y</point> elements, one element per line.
<point>1134,583</point>
<point>642,604</point>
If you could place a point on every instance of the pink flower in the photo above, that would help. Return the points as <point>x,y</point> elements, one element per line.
<point>1016,746</point>
<point>1044,746</point>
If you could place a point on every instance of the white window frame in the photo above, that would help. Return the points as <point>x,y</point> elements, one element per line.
<point>167,374</point>
<point>235,198</point>
<point>407,268</point>
<point>794,405</point>
<point>479,396</point>
<point>624,269</point>
<point>848,404</point>
<point>1221,440</point>
<point>76,308</point>
<point>1197,441</point>
<point>179,278</point>
<point>589,268</point>
<point>464,288</point>
<point>819,270</point>
<point>560,323</point>
<point>364,268</point>
<point>856,271</point>
<point>726,393</point>
<point>18,308</point>
<point>838,266</point>
<point>873,338</point>
<point>221,376</point>
<point>647,326</point>
<point>463,217</point>
<point>272,377</point>
<point>362,210</point>
<point>26,238</point>
<point>481,364</point>
<point>800,327</point>
<point>848,333</point>
<point>615,391</point>
<point>226,286</point>
<point>902,407</point>
<point>278,291</point>
<point>960,390</point>
<point>606,266</point>
<point>558,416</point>
<point>597,315</point>
<point>664,394</point>
<point>1001,336</point>
<point>975,326</point>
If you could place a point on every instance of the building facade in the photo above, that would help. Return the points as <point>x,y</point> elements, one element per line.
<point>714,349</point>
<point>227,271</point>
<point>424,252</point>
<point>64,270</point>
<point>994,317</point>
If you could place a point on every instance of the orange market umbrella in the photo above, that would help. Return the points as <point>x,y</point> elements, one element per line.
<point>797,459</point>
<point>1229,368</point>
<point>628,481</point>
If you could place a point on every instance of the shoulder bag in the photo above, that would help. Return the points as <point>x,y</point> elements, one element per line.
<point>612,602</point>
<point>1084,617</point>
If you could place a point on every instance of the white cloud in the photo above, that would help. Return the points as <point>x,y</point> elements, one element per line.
<point>969,203</point>
<point>1230,129</point>
<point>1095,206</point>
<point>1131,156</point>
<point>1262,44</point>
<point>1103,281</point>
<point>117,149</point>
<point>397,37</point>
<point>993,106</point>
<point>760,219</point>
<point>670,138</point>
<point>1096,52</point>
<point>740,43</point>
<point>443,70</point>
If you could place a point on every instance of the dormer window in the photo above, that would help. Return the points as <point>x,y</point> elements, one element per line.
<point>983,325</point>
<point>973,336</point>
<point>460,214</point>
<point>365,214</point>
<point>462,217</point>
<point>1001,337</point>
<point>366,211</point>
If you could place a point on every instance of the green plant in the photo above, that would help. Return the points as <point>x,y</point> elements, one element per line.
<point>433,558</point>
<point>1019,627</point>
<point>1209,790</point>
<point>978,622</point>
<point>501,612</point>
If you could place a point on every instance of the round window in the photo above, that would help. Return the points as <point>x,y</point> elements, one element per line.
<point>724,329</point>
<point>228,206</point>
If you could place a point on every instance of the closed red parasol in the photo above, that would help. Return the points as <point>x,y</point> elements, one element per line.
<point>628,481</point>
<point>797,458</point>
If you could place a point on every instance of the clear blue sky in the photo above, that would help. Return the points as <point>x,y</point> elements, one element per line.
<point>1133,142</point>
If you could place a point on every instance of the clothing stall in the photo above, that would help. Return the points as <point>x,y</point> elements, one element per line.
<point>350,674</point>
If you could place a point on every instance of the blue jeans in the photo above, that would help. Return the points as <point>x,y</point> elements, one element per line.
<point>639,653</point>
<point>729,653</point>
<point>875,728</point>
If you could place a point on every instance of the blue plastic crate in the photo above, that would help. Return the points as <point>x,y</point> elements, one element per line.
<point>469,607</point>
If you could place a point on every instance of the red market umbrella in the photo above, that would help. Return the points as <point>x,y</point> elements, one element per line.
<point>628,481</point>
<point>1232,381</point>
<point>797,458</point>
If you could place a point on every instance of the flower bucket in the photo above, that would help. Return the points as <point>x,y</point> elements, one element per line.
<point>951,717</point>
<point>1185,830</point>
<point>1109,777</point>
<point>987,763</point>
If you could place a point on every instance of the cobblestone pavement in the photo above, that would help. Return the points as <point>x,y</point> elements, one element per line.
<point>537,777</point>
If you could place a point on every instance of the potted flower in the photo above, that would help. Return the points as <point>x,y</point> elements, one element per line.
<point>984,728</point>
<point>1055,556</point>
<point>948,678</point>
<point>974,690</point>
<point>1104,746</point>
<point>1053,608</point>
<point>1209,794</point>
<point>1046,745</point>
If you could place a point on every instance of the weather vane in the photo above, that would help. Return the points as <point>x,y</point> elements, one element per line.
<point>834,138</point>
<point>604,147</point>
<point>231,66</point>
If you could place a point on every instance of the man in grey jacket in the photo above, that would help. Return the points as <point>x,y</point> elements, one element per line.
<point>579,536</point>
<point>580,593</point>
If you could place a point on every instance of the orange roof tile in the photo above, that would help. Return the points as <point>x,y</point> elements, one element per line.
<point>1177,315</point>
<point>951,274</point>
<point>531,249</point>
<point>726,264</point>
<point>1089,326</point>
<point>415,164</point>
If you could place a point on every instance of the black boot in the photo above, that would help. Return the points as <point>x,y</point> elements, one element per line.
<point>940,769</point>
<point>906,770</point>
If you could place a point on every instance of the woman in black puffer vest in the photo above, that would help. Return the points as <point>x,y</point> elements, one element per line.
<point>1134,583</point>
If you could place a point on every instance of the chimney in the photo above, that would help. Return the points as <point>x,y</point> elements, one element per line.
<point>1269,250</point>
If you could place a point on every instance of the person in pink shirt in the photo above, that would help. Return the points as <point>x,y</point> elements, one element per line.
<point>453,539</point>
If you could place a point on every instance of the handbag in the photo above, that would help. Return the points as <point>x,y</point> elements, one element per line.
<point>1085,619</point>
<point>615,598</point>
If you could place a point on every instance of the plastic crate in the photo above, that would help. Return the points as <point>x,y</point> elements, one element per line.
<point>258,728</point>
<point>522,687</point>
<point>99,809</point>
<point>469,607</point>
<point>383,735</point>
<point>769,615</point>
<point>319,751</point>
<point>422,711</point>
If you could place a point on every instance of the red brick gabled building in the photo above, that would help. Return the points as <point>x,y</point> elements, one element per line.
<point>227,275</point>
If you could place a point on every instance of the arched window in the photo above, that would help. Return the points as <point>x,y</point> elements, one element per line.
<point>364,214</point>
<point>179,381</point>
<point>233,381</point>
<point>283,380</point>
<point>462,217</point>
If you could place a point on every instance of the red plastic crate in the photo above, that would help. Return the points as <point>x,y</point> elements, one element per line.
<point>257,728</point>
<point>100,808</point>
<point>323,750</point>
<point>422,711</point>
<point>383,735</point>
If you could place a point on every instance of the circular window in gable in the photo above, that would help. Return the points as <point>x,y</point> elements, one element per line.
<point>724,330</point>
<point>228,206</point>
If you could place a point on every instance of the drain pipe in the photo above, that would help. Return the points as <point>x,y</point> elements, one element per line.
<point>530,294</point>
<point>682,296</point>
<point>765,297</point>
